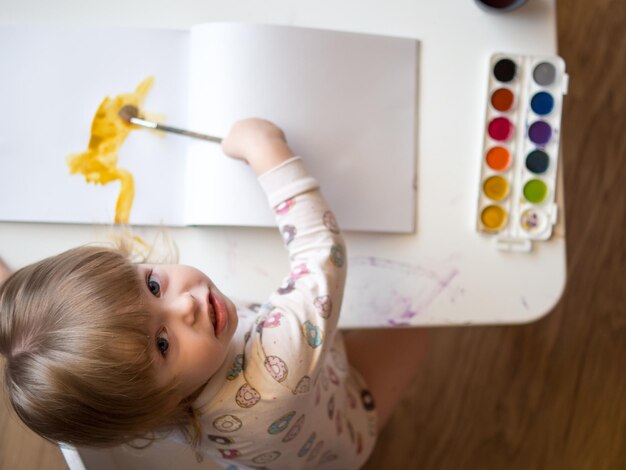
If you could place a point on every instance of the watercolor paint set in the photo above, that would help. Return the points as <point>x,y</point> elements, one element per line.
<point>520,155</point>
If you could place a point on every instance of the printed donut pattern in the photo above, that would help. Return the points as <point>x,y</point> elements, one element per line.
<point>294,430</point>
<point>229,453</point>
<point>307,446</point>
<point>281,423</point>
<point>304,385</point>
<point>337,255</point>
<point>267,457</point>
<point>276,367</point>
<point>288,286</point>
<point>368,400</point>
<point>223,440</point>
<point>350,431</point>
<point>316,451</point>
<point>332,375</point>
<point>247,396</point>
<point>323,305</point>
<point>313,334</point>
<point>285,206</point>
<point>298,271</point>
<point>273,320</point>
<point>289,233</point>
<point>236,369</point>
<point>359,444</point>
<point>330,222</point>
<point>330,407</point>
<point>227,423</point>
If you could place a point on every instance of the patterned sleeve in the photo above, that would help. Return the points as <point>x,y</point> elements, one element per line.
<point>295,328</point>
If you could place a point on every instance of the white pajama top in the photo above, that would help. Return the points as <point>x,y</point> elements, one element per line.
<point>286,397</point>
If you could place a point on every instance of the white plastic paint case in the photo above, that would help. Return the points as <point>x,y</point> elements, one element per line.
<point>517,196</point>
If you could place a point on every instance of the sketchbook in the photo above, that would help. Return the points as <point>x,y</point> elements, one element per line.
<point>346,101</point>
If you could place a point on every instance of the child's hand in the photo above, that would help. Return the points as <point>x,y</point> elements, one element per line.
<point>258,142</point>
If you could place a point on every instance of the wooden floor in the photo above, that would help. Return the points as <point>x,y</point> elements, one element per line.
<point>549,395</point>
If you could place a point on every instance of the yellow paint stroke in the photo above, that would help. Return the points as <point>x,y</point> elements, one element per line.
<point>108,131</point>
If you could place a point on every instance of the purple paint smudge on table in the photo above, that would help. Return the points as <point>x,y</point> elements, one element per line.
<point>387,292</point>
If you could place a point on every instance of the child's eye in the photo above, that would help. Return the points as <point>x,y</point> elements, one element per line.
<point>162,342</point>
<point>153,284</point>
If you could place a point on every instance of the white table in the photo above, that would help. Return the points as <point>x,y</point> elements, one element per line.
<point>444,274</point>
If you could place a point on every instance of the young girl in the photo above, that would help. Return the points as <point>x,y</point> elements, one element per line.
<point>101,351</point>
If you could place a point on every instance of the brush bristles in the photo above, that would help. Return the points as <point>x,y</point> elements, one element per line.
<point>128,112</point>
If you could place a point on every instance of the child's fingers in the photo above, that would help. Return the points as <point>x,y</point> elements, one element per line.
<point>246,135</point>
<point>232,148</point>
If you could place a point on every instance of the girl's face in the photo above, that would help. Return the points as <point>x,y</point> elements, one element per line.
<point>193,324</point>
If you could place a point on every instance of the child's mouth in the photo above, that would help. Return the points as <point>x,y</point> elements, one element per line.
<point>212,316</point>
<point>218,313</point>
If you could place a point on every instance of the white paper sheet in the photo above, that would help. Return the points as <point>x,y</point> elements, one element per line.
<point>346,101</point>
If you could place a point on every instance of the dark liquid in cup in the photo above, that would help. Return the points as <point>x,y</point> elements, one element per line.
<point>499,3</point>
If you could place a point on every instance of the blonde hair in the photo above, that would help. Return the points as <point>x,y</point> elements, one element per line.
<point>78,351</point>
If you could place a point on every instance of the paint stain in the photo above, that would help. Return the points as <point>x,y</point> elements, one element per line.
<point>99,163</point>
<point>387,292</point>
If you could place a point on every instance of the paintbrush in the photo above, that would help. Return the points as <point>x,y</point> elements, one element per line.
<point>130,114</point>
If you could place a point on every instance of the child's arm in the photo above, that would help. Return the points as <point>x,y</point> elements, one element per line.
<point>295,329</point>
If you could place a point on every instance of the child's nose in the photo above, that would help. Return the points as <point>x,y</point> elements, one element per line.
<point>186,308</point>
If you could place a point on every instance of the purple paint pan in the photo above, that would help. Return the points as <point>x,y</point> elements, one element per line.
<point>540,132</point>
